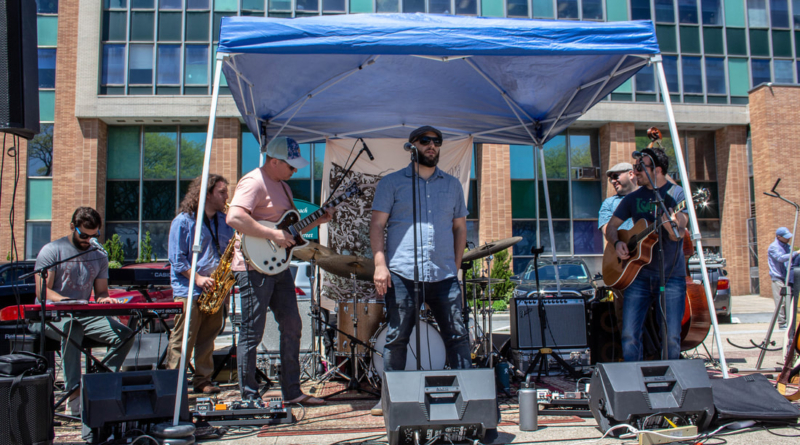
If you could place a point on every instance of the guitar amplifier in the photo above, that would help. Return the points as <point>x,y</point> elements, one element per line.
<point>566,322</point>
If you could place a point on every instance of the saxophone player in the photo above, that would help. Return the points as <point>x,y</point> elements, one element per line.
<point>214,238</point>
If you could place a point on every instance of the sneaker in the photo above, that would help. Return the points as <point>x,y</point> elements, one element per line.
<point>74,407</point>
<point>377,410</point>
<point>782,327</point>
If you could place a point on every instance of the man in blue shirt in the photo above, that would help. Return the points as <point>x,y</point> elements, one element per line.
<point>624,181</point>
<point>644,290</point>
<point>214,238</point>
<point>441,238</point>
<point>779,255</point>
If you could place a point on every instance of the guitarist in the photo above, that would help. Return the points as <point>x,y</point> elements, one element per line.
<point>260,195</point>
<point>644,290</point>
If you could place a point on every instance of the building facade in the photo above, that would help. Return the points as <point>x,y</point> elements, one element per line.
<point>125,92</point>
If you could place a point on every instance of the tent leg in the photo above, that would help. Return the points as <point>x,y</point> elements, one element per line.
<point>540,149</point>
<point>695,228</point>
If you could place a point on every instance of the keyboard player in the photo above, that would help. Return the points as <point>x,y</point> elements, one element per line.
<point>75,280</point>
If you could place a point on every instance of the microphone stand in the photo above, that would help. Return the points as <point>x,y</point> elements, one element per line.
<point>414,202</point>
<point>661,270</point>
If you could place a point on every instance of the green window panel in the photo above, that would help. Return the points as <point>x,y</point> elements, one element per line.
<point>250,151</point>
<point>738,77</point>
<point>142,26</point>
<point>193,147</point>
<point>253,5</point>
<point>734,13</point>
<point>123,153</point>
<point>737,41</point>
<point>712,41</point>
<point>109,4</point>
<point>586,199</point>
<point>555,157</point>
<point>781,44</point>
<point>626,87</point>
<point>158,200</point>
<point>170,25</point>
<point>472,201</point>
<point>47,106</point>
<point>197,26</point>
<point>559,199</point>
<point>360,6</point>
<point>115,26</point>
<point>523,199</point>
<point>690,39</point>
<point>47,30</point>
<point>225,5</point>
<point>142,4</point>
<point>122,201</point>
<point>759,42</point>
<point>617,10</point>
<point>283,5</point>
<point>543,9</point>
<point>797,44</point>
<point>160,153</point>
<point>39,202</point>
<point>492,8</point>
<point>666,38</point>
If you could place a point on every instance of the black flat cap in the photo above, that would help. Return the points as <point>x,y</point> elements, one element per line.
<point>422,130</point>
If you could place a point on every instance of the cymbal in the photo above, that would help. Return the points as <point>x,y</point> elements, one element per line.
<point>484,280</point>
<point>314,251</point>
<point>490,248</point>
<point>344,265</point>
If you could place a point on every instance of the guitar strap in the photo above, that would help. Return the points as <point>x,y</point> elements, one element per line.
<point>291,201</point>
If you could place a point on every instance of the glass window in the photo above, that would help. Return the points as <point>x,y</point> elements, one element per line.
<point>738,76</point>
<point>555,158</point>
<point>37,234</point>
<point>690,39</point>
<point>687,11</point>
<point>122,201</point>
<point>671,73</point>
<point>592,9</point>
<point>141,65</point>
<point>196,71</point>
<point>331,5</point>
<point>523,166</point>
<point>160,151</point>
<point>516,8</point>
<point>434,6</point>
<point>712,12</point>
<point>645,80</point>
<point>692,75</point>
<point>665,11</point>
<point>588,239</point>
<point>757,13</point>
<point>640,10</point>
<point>39,200</point>
<point>193,147</point>
<point>170,4</point>
<point>197,26</point>
<point>759,42</point>
<point>473,205</point>
<point>159,237</point>
<point>543,9</point>
<point>567,9</point>
<point>712,40</point>
<point>123,152</point>
<point>387,6</point>
<point>561,231</point>
<point>226,5</point>
<point>47,68</point>
<point>286,5</point>
<point>113,70</point>
<point>781,43</point>
<point>142,26</point>
<point>666,38</point>
<point>169,64</point>
<point>796,13</point>
<point>413,5</point>
<point>734,13</point>
<point>586,199</point>
<point>47,30</point>
<point>250,151</point>
<point>472,232</point>
<point>118,4</point>
<point>715,75</point>
<point>760,71</point>
<point>128,235</point>
<point>40,152</point>
<point>523,199</point>
<point>784,73</point>
<point>170,25</point>
<point>737,41</point>
<point>581,152</point>
<point>467,7</point>
<point>47,105</point>
<point>47,6</point>
<point>559,199</point>
<point>115,26</point>
<point>307,5</point>
<point>779,13</point>
<point>158,200</point>
<point>198,4</point>
<point>142,4</point>
<point>617,10</point>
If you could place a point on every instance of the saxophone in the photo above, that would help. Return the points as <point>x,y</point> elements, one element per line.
<point>212,300</point>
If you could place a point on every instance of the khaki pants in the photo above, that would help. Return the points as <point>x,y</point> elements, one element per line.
<point>203,331</point>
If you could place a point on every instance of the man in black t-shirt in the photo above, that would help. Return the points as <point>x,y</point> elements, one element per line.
<point>641,204</point>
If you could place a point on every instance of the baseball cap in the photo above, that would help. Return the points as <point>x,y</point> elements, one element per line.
<point>783,232</point>
<point>422,130</point>
<point>619,168</point>
<point>287,150</point>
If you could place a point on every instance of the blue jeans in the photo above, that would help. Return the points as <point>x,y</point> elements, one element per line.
<point>444,299</point>
<point>257,292</point>
<point>643,292</point>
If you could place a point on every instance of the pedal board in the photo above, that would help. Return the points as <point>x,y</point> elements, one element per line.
<point>244,412</point>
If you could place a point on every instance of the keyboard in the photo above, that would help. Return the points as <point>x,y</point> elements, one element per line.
<point>147,310</point>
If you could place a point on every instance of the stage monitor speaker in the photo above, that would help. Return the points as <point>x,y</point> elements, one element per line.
<point>111,397</point>
<point>19,74</point>
<point>271,340</point>
<point>631,392</point>
<point>566,323</point>
<point>146,351</point>
<point>456,405</point>
<point>605,338</point>
<point>28,419</point>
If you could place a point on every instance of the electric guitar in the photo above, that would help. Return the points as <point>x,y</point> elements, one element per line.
<point>640,239</point>
<point>267,257</point>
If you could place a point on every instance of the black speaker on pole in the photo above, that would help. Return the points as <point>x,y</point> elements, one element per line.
<point>638,393</point>
<point>26,413</point>
<point>19,73</point>
<point>454,405</point>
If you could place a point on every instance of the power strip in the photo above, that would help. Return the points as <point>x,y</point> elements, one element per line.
<point>675,435</point>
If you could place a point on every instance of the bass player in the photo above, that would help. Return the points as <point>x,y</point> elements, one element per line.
<point>644,290</point>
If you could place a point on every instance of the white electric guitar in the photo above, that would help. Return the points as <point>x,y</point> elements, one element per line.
<point>265,256</point>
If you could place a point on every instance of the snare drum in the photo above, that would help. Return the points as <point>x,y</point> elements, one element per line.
<point>432,358</point>
<point>370,315</point>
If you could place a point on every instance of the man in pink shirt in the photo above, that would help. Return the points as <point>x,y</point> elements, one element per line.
<point>262,195</point>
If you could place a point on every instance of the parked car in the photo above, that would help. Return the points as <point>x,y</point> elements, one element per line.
<point>574,274</point>
<point>720,284</point>
<point>302,286</point>
<point>11,285</point>
<point>142,280</point>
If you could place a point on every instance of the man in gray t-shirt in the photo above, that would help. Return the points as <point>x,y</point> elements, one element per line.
<point>75,280</point>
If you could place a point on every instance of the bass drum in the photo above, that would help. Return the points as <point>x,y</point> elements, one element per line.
<point>433,352</point>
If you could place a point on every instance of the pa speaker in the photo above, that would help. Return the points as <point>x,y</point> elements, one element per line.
<point>28,418</point>
<point>454,405</point>
<point>271,341</point>
<point>604,334</point>
<point>632,392</point>
<point>19,75</point>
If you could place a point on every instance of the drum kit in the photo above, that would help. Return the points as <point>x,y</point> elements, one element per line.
<point>362,324</point>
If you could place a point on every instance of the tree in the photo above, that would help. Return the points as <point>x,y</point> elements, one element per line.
<point>40,152</point>
<point>146,252</point>
<point>116,254</point>
<point>501,269</point>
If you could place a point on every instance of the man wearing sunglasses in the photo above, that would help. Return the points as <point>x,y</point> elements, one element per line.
<point>442,237</point>
<point>75,280</point>
<point>623,180</point>
<point>644,290</point>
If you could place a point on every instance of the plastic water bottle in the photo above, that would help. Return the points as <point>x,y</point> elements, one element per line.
<point>528,406</point>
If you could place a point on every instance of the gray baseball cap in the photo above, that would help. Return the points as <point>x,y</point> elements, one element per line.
<point>619,168</point>
<point>286,149</point>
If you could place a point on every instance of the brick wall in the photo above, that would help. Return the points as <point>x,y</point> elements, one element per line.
<point>225,151</point>
<point>734,203</point>
<point>495,193</point>
<point>773,119</point>
<point>9,172</point>
<point>617,142</point>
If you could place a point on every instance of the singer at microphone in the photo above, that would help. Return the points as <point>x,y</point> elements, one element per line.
<point>99,247</point>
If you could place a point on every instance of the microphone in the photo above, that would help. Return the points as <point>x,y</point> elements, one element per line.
<point>408,146</point>
<point>96,244</point>
<point>369,153</point>
<point>637,155</point>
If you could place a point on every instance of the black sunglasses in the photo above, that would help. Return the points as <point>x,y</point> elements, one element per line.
<point>425,140</point>
<point>615,176</point>
<point>639,167</point>
<point>82,235</point>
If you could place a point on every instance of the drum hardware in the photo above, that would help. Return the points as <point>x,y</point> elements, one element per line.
<point>490,248</point>
<point>314,359</point>
<point>346,265</point>
<point>312,252</point>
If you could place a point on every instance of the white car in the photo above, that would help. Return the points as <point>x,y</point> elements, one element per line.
<point>302,286</point>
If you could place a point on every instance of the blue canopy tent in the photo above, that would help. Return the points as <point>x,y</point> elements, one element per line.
<point>509,81</point>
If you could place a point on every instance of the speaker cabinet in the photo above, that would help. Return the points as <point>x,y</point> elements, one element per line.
<point>28,418</point>
<point>630,392</point>
<point>271,341</point>
<point>605,337</point>
<point>19,75</point>
<point>566,323</point>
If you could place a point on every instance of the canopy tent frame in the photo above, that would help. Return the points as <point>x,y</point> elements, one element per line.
<point>533,129</point>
